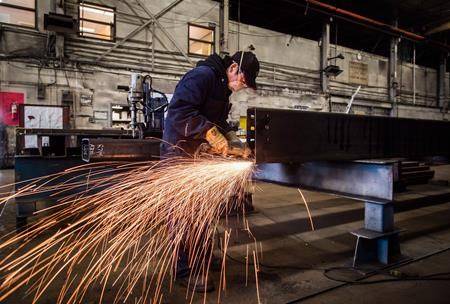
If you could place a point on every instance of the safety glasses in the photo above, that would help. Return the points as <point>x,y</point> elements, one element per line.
<point>242,78</point>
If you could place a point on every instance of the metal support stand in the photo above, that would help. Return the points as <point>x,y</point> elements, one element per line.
<point>378,241</point>
<point>23,211</point>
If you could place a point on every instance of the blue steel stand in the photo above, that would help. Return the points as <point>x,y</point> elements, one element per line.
<point>370,181</point>
<point>378,241</point>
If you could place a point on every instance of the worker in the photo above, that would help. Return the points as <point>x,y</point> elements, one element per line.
<point>200,106</point>
<point>197,115</point>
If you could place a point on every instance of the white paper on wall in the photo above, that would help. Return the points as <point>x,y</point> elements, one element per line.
<point>101,115</point>
<point>45,141</point>
<point>31,141</point>
<point>43,117</point>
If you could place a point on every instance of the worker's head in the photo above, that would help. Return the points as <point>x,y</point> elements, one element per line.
<point>243,71</point>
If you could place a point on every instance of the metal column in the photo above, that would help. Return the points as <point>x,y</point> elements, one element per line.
<point>224,26</point>
<point>414,74</point>
<point>441,102</point>
<point>324,51</point>
<point>392,77</point>
<point>59,42</point>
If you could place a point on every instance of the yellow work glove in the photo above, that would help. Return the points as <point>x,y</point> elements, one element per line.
<point>236,146</point>
<point>217,141</point>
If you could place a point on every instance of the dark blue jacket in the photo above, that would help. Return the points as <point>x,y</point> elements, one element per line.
<point>200,101</point>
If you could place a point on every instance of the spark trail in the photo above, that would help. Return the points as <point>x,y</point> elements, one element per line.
<point>126,222</point>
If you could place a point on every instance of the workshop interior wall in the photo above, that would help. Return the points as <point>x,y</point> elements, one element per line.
<point>289,76</point>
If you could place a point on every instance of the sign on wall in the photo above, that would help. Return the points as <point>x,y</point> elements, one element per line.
<point>358,73</point>
<point>9,107</point>
<point>42,117</point>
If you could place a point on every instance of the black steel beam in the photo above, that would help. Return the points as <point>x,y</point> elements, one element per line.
<point>285,136</point>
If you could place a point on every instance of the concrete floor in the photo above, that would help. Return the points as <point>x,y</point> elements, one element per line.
<point>282,226</point>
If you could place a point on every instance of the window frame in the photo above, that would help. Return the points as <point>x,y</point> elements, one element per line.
<point>113,26</point>
<point>23,8</point>
<point>189,39</point>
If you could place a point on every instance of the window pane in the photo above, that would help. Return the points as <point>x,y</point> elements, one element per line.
<point>17,16</point>
<point>96,13</point>
<point>95,30</point>
<point>200,48</point>
<point>23,3</point>
<point>201,33</point>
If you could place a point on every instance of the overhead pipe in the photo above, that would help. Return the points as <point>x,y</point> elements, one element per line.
<point>368,22</point>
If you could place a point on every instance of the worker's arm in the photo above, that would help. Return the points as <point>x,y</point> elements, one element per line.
<point>189,96</point>
<point>235,146</point>
<point>223,124</point>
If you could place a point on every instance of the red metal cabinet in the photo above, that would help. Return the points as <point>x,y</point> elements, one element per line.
<point>9,107</point>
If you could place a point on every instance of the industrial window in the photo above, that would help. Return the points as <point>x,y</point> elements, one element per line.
<point>96,21</point>
<point>201,40</point>
<point>18,12</point>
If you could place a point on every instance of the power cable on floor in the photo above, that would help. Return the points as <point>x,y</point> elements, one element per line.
<point>326,271</point>
<point>383,271</point>
<point>403,277</point>
<point>392,266</point>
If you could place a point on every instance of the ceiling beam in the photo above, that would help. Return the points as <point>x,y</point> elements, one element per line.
<point>367,22</point>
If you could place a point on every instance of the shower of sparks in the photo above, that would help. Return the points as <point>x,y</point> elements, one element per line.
<point>307,209</point>
<point>126,222</point>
